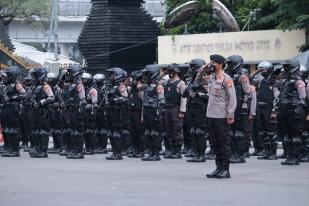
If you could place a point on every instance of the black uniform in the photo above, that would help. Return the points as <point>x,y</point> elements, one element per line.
<point>196,114</point>
<point>266,127</point>
<point>136,125</point>
<point>74,100</point>
<point>152,105</point>
<point>101,122</point>
<point>12,96</point>
<point>290,113</point>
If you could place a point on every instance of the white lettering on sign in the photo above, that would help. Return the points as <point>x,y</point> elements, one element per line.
<point>253,46</point>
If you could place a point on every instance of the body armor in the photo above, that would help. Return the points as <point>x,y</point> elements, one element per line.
<point>151,98</point>
<point>172,97</point>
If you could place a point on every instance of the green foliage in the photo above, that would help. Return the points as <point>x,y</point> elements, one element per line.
<point>204,22</point>
<point>29,10</point>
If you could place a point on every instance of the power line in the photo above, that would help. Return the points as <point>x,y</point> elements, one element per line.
<point>122,49</point>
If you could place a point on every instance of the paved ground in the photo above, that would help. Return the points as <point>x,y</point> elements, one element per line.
<point>95,181</point>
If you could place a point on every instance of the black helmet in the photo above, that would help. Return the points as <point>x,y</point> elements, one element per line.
<point>117,74</point>
<point>12,73</point>
<point>99,79</point>
<point>196,63</point>
<point>151,72</point>
<point>86,78</point>
<point>136,74</point>
<point>234,63</point>
<point>72,72</point>
<point>52,78</point>
<point>173,67</point>
<point>38,74</point>
<point>291,68</point>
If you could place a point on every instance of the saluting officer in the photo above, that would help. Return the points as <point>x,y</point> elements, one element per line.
<point>220,112</point>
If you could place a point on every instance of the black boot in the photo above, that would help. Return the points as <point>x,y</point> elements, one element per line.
<point>290,161</point>
<point>177,154</point>
<point>223,174</point>
<point>216,171</point>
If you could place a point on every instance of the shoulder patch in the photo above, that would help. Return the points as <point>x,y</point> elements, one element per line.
<point>93,92</point>
<point>19,87</point>
<point>244,78</point>
<point>79,87</point>
<point>229,83</point>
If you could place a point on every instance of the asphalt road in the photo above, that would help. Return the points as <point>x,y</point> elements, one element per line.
<point>95,181</point>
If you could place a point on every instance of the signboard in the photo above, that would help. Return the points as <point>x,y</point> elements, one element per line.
<point>266,45</point>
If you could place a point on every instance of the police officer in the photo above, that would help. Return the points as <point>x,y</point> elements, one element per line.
<point>101,123</point>
<point>265,102</point>
<point>175,106</point>
<point>4,147</point>
<point>90,113</point>
<point>42,97</point>
<point>242,87</point>
<point>220,112</point>
<point>117,102</point>
<point>135,109</point>
<point>26,116</point>
<point>56,119</point>
<point>197,104</point>
<point>291,111</point>
<point>12,96</point>
<point>305,125</point>
<point>153,103</point>
<point>73,105</point>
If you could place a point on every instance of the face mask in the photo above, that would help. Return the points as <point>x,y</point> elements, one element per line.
<point>264,74</point>
<point>211,68</point>
<point>171,75</point>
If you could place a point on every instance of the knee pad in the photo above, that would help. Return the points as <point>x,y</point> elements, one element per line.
<point>296,140</point>
<point>89,132</point>
<point>14,131</point>
<point>57,132</point>
<point>103,132</point>
<point>109,134</point>
<point>239,134</point>
<point>262,133</point>
<point>125,133</point>
<point>116,135</point>
<point>154,134</point>
<point>192,131</point>
<point>147,133</point>
<point>164,135</point>
<point>97,132</point>
<point>305,136</point>
<point>286,139</point>
<point>200,133</point>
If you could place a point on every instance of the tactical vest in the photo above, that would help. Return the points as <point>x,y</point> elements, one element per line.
<point>71,96</point>
<point>289,94</point>
<point>112,93</point>
<point>11,90</point>
<point>265,93</point>
<point>172,97</point>
<point>239,93</point>
<point>135,102</point>
<point>39,93</point>
<point>151,98</point>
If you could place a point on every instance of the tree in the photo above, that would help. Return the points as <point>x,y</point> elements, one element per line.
<point>291,15</point>
<point>29,10</point>
<point>205,23</point>
<point>34,12</point>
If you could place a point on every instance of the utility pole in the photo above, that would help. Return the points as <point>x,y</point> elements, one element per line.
<point>53,28</point>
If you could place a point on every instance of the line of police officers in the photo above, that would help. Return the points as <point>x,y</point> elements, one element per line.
<point>217,101</point>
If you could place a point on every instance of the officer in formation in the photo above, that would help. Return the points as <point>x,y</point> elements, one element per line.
<point>222,103</point>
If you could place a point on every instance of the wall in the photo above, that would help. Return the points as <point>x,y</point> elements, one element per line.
<point>255,46</point>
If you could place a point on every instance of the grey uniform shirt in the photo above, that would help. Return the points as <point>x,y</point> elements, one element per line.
<point>222,97</point>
